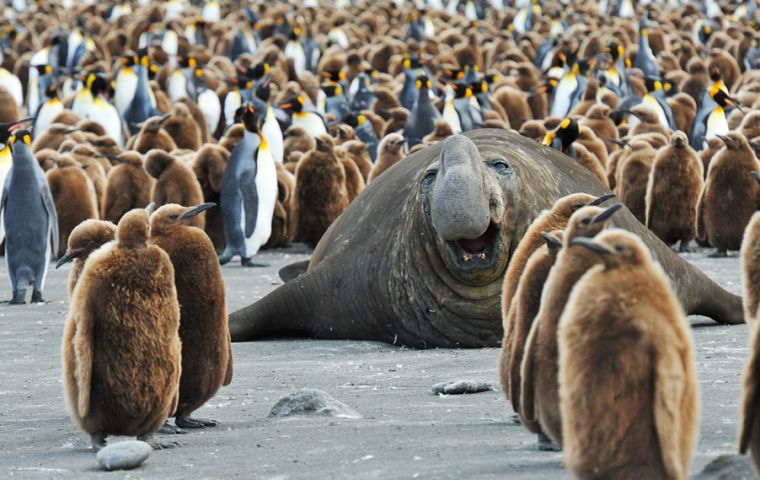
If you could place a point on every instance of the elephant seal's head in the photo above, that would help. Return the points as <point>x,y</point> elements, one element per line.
<point>466,201</point>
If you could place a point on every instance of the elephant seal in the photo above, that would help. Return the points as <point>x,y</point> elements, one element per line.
<point>419,257</point>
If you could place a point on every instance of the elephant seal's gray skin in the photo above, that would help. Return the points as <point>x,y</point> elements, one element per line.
<point>396,267</point>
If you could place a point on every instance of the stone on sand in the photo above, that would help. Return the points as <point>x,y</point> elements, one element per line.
<point>123,455</point>
<point>312,402</point>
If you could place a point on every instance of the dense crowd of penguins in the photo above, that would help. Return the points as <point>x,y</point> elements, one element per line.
<point>254,125</point>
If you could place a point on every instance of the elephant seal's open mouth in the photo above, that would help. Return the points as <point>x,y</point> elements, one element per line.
<point>478,250</point>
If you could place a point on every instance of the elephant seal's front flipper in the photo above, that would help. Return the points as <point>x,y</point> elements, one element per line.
<point>289,272</point>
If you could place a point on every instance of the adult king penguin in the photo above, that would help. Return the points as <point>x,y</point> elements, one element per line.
<point>29,218</point>
<point>248,194</point>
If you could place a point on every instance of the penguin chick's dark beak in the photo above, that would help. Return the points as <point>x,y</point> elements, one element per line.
<point>590,244</point>
<point>67,258</point>
<point>196,210</point>
<point>607,212</point>
<point>551,240</point>
<point>163,118</point>
<point>726,141</point>
<point>602,199</point>
<point>756,175</point>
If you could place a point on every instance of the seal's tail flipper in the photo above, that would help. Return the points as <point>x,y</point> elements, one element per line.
<point>289,272</point>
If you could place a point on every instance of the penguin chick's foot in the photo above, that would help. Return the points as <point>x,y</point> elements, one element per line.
<point>683,247</point>
<point>157,443</point>
<point>19,297</point>
<point>545,444</point>
<point>98,441</point>
<point>187,422</point>
<point>37,297</point>
<point>170,429</point>
<point>247,262</point>
<point>718,253</point>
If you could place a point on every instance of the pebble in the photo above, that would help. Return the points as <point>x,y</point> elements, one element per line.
<point>312,402</point>
<point>123,455</point>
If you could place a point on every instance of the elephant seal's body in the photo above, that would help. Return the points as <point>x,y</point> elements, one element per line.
<point>396,266</point>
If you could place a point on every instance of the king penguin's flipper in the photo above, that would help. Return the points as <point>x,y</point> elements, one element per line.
<point>250,200</point>
<point>47,201</point>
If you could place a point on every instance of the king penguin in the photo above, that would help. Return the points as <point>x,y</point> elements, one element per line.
<point>143,105</point>
<point>104,113</point>
<point>569,89</point>
<point>422,119</point>
<point>83,98</point>
<point>271,129</point>
<point>248,194</point>
<point>11,83</point>
<point>645,60</point>
<point>305,117</point>
<point>29,218</point>
<point>711,120</point>
<point>126,82</point>
<point>48,110</point>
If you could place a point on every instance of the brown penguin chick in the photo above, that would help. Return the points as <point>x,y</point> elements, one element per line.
<point>389,152</point>
<point>643,393</point>
<point>320,193</point>
<point>182,128</point>
<point>589,161</point>
<point>593,144</point>
<point>684,110</point>
<point>533,129</point>
<point>175,183</point>
<point>297,140</point>
<point>206,349</point>
<point>106,145</point>
<point>74,197</point>
<point>587,101</point>
<point>85,155</point>
<point>730,196</point>
<point>232,137</point>
<point>209,165</point>
<point>749,425</point>
<point>385,100</point>
<point>52,137</point>
<point>86,237</point>
<point>553,219</point>
<point>128,186</point>
<point>539,395</point>
<point>281,235</point>
<point>750,126</point>
<point>354,180</point>
<point>598,120</point>
<point>121,349</point>
<point>648,121</point>
<point>66,116</point>
<point>523,309</point>
<point>750,255</point>
<point>396,120</point>
<point>93,127</point>
<point>359,153</point>
<point>675,183</point>
<point>633,179</point>
<point>152,137</point>
<point>441,130</point>
<point>713,145</point>
<point>47,158</point>
<point>515,104</point>
<point>8,107</point>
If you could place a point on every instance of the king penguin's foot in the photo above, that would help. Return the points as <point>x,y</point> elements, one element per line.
<point>718,253</point>
<point>187,422</point>
<point>545,444</point>
<point>98,441</point>
<point>247,262</point>
<point>157,443</point>
<point>224,260</point>
<point>19,297</point>
<point>37,297</point>
<point>170,429</point>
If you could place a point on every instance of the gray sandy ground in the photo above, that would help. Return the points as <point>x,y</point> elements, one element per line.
<point>405,431</point>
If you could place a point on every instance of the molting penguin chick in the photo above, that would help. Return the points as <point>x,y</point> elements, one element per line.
<point>553,219</point>
<point>209,165</point>
<point>320,193</point>
<point>128,186</point>
<point>206,349</point>
<point>121,349</point>
<point>74,197</point>
<point>175,183</point>
<point>86,237</point>
<point>630,411</point>
<point>539,389</point>
<point>730,196</point>
<point>389,152</point>
<point>675,183</point>
<point>152,137</point>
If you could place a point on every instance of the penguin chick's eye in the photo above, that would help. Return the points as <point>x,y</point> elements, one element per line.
<point>586,220</point>
<point>619,248</point>
<point>428,180</point>
<point>173,216</point>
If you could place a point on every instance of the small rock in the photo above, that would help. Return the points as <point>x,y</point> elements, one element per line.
<point>459,387</point>
<point>123,455</point>
<point>312,402</point>
<point>728,467</point>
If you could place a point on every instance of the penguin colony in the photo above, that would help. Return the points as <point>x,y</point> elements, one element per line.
<point>281,114</point>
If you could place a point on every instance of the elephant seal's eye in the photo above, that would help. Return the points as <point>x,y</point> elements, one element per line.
<point>500,166</point>
<point>428,180</point>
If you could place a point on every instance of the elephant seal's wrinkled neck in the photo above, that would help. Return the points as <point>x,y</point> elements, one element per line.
<point>460,200</point>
